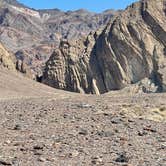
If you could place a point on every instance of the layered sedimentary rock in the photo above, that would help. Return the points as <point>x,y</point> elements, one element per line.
<point>130,48</point>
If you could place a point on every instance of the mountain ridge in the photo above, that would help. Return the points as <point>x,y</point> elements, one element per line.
<point>32,35</point>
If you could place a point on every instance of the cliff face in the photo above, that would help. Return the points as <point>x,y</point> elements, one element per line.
<point>8,60</point>
<point>68,68</point>
<point>130,48</point>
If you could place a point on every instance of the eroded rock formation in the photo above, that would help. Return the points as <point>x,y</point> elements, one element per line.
<point>6,59</point>
<point>122,54</point>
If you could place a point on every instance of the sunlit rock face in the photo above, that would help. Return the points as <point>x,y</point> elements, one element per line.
<point>130,48</point>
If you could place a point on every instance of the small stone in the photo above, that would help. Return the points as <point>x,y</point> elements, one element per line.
<point>122,158</point>
<point>105,133</point>
<point>75,153</point>
<point>96,160</point>
<point>130,120</point>
<point>3,162</point>
<point>116,121</point>
<point>150,129</point>
<point>65,116</point>
<point>38,153</point>
<point>83,105</point>
<point>7,142</point>
<point>83,132</point>
<point>163,146</point>
<point>106,114</point>
<point>38,147</point>
<point>17,127</point>
<point>50,159</point>
<point>116,130</point>
<point>93,161</point>
<point>142,133</point>
<point>17,144</point>
<point>22,149</point>
<point>41,159</point>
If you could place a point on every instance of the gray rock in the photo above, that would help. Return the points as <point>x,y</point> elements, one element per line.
<point>122,158</point>
<point>3,162</point>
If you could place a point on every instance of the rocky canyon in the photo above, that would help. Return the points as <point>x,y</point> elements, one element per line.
<point>83,89</point>
<point>129,49</point>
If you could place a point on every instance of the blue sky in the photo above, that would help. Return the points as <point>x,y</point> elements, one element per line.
<point>91,5</point>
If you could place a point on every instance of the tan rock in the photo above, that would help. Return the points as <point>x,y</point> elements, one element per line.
<point>130,48</point>
<point>6,59</point>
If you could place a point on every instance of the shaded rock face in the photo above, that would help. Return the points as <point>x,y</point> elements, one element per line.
<point>129,49</point>
<point>6,59</point>
<point>35,33</point>
<point>24,69</point>
<point>68,68</point>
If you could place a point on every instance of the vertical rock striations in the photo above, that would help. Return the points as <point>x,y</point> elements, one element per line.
<point>68,68</point>
<point>124,53</point>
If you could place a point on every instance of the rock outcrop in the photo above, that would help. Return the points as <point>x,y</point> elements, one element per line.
<point>130,48</point>
<point>69,66</point>
<point>24,69</point>
<point>6,59</point>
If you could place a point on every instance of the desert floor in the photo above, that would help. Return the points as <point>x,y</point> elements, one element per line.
<point>41,126</point>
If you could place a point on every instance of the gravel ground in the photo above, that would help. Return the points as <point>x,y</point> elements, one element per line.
<point>41,126</point>
<point>79,131</point>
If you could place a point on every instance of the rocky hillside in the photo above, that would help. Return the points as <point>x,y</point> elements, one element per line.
<point>130,48</point>
<point>33,34</point>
